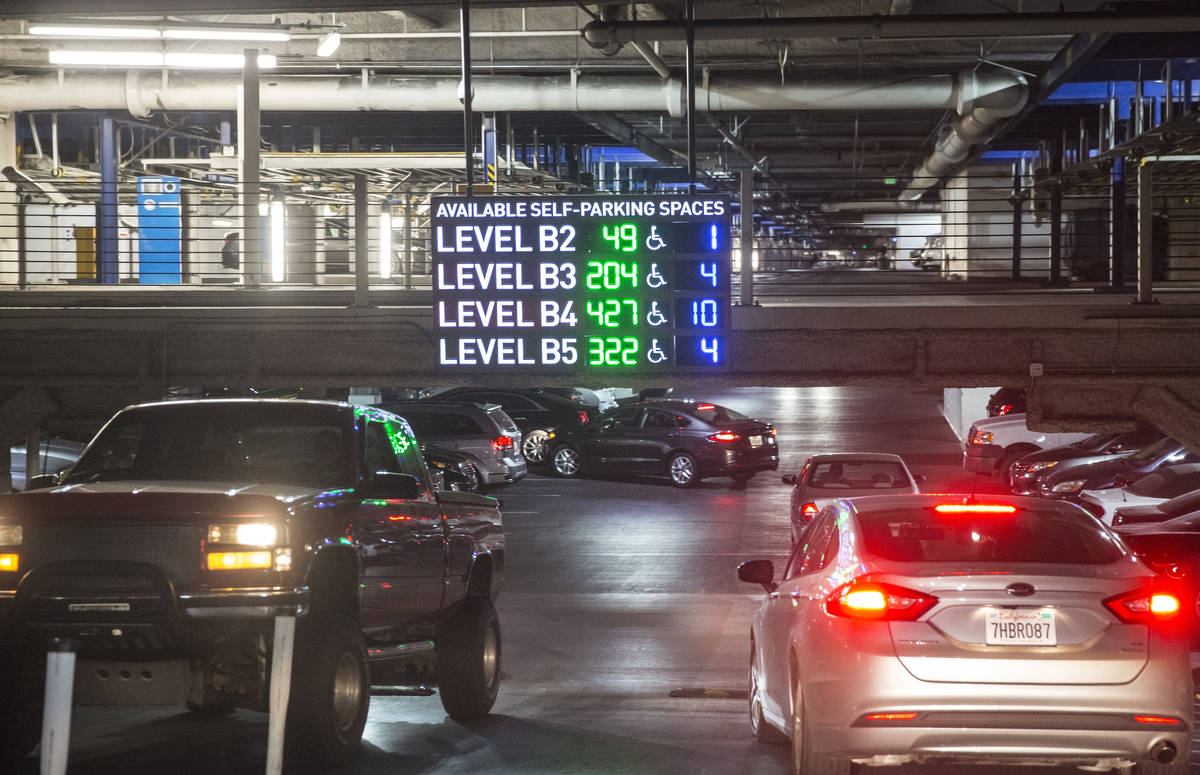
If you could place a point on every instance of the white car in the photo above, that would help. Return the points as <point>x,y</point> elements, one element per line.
<point>1150,490</point>
<point>994,443</point>
<point>825,478</point>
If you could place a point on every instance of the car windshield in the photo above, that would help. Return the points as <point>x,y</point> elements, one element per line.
<point>307,445</point>
<point>1154,451</point>
<point>717,415</point>
<point>1095,440</point>
<point>857,475</point>
<point>1182,504</point>
<point>1024,536</point>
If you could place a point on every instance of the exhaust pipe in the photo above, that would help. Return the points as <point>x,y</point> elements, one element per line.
<point>1163,752</point>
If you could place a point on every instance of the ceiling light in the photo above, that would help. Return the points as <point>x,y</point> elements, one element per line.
<point>156,59</point>
<point>328,44</point>
<point>192,32</point>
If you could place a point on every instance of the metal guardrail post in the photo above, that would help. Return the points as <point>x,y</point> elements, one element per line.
<point>56,711</point>
<point>281,686</point>
<point>362,236</point>
<point>1145,237</point>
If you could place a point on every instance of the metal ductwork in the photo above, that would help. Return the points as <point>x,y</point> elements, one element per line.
<point>983,107</point>
<point>881,206</point>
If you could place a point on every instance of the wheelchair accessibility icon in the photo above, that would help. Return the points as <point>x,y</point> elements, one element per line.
<point>654,279</point>
<point>655,242</point>
<point>655,353</point>
<point>655,317</point>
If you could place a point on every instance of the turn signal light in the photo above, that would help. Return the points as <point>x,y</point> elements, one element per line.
<point>239,560</point>
<point>10,562</point>
<point>1145,607</point>
<point>724,436</point>
<point>866,599</point>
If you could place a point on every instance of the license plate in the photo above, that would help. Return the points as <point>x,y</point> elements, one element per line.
<point>1020,627</point>
<point>756,441</point>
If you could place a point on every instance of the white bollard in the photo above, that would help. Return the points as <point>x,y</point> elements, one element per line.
<point>56,711</point>
<point>281,686</point>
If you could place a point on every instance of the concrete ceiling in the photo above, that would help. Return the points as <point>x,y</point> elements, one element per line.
<point>810,155</point>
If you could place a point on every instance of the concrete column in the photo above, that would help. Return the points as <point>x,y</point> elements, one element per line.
<point>747,239</point>
<point>464,34</point>
<point>250,173</point>
<point>106,211</point>
<point>1145,234</point>
<point>362,231</point>
<point>408,238</point>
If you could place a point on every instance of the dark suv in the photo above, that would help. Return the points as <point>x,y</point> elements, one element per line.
<point>536,412</point>
<point>482,432</point>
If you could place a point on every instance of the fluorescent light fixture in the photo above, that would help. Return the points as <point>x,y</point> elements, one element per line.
<point>156,59</point>
<point>199,32</point>
<point>222,222</point>
<point>328,44</point>
<point>278,237</point>
<point>385,243</point>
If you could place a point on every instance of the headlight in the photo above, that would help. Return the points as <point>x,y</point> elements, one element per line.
<point>1042,466</point>
<point>1070,486</point>
<point>245,533</point>
<point>982,437</point>
<point>10,535</point>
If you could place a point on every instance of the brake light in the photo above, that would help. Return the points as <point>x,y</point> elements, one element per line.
<point>774,432</point>
<point>1145,606</point>
<point>705,407</point>
<point>809,510</point>
<point>1004,409</point>
<point>866,599</point>
<point>583,416</point>
<point>724,436</point>
<point>974,508</point>
<point>502,442</point>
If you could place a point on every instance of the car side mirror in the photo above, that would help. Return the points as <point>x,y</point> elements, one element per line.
<point>760,572</point>
<point>788,478</point>
<point>388,484</point>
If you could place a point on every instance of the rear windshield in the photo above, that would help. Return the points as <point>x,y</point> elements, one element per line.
<point>717,415</point>
<point>923,535</point>
<point>857,475</point>
<point>501,418</point>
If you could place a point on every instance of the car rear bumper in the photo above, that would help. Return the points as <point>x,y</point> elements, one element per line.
<point>505,473</point>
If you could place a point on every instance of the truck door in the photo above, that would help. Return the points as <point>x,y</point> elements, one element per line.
<point>403,542</point>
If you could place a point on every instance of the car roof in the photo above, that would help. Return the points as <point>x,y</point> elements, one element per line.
<point>856,457</point>
<point>435,406</point>
<point>873,503</point>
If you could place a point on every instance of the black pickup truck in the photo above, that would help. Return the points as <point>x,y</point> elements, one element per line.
<point>168,549</point>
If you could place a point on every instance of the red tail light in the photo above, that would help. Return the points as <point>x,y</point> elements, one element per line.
<point>1145,606</point>
<point>705,407</point>
<point>866,599</point>
<point>975,508</point>
<point>808,510</point>
<point>1004,409</point>
<point>900,716</point>
<point>724,436</point>
<point>502,442</point>
<point>583,415</point>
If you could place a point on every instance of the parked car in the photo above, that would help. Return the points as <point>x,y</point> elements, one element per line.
<point>482,432</point>
<point>54,455</point>
<point>1026,474</point>
<point>1162,485</point>
<point>1070,481</point>
<point>1172,549</point>
<point>1161,512</point>
<point>450,470</point>
<point>995,443</point>
<point>825,478</point>
<point>934,628</point>
<point>186,525</point>
<point>1006,400</point>
<point>536,413</point>
<point>683,440</point>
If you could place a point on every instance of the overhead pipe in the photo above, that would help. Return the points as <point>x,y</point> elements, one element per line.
<point>990,25</point>
<point>881,206</point>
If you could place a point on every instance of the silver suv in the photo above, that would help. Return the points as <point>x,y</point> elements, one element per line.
<point>482,432</point>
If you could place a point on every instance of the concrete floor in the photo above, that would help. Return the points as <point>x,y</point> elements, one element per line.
<point>616,595</point>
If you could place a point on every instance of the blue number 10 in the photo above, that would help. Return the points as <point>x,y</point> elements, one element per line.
<point>704,312</point>
<point>709,271</point>
<point>711,348</point>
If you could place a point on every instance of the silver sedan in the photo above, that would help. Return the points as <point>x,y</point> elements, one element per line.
<point>935,628</point>
<point>825,478</point>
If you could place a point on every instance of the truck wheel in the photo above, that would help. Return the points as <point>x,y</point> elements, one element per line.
<point>330,689</point>
<point>20,711</point>
<point>468,660</point>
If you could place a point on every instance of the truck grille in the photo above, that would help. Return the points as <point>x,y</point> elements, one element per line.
<point>174,548</point>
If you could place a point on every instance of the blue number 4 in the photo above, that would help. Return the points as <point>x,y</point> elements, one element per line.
<point>709,271</point>
<point>711,347</point>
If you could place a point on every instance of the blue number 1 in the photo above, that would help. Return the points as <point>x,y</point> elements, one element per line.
<point>711,348</point>
<point>712,236</point>
<point>709,271</point>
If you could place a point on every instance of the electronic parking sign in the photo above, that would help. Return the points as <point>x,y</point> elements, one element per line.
<point>581,283</point>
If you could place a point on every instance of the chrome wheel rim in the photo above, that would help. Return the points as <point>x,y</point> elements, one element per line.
<point>682,469</point>
<point>534,446</point>
<point>347,691</point>
<point>491,657</point>
<point>566,461</point>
